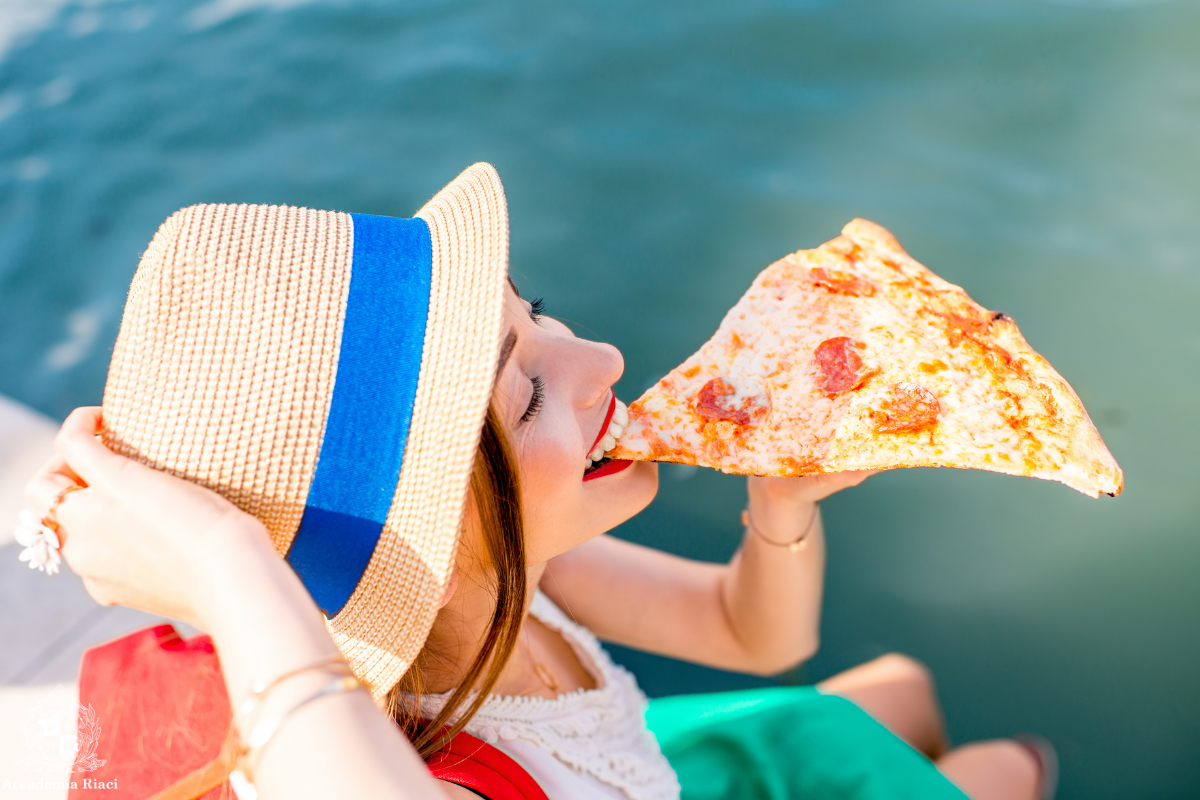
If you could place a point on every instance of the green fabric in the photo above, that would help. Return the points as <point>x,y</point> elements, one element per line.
<point>788,743</point>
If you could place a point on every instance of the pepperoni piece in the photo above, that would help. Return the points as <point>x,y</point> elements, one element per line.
<point>841,367</point>
<point>909,408</point>
<point>711,404</point>
<point>841,282</point>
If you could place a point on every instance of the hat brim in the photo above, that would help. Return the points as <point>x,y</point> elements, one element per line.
<point>388,617</point>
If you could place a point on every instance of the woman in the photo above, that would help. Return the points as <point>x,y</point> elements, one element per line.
<point>329,377</point>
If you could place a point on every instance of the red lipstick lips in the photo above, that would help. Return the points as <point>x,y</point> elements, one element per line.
<point>607,468</point>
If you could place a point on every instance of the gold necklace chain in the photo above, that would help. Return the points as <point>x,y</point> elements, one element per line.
<point>542,672</point>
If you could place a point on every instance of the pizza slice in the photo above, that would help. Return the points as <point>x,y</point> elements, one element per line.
<point>854,356</point>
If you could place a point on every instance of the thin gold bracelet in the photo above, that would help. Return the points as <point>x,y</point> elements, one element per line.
<point>259,690</point>
<point>796,546</point>
<point>243,786</point>
<point>250,754</point>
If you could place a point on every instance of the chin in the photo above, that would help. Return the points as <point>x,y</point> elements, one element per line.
<point>618,498</point>
<point>603,504</point>
<point>647,472</point>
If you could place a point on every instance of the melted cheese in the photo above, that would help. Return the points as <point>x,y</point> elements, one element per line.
<point>1002,406</point>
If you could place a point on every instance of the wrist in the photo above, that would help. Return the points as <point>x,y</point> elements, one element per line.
<point>784,527</point>
<point>780,513</point>
<point>236,534</point>
<point>241,572</point>
<point>260,616</point>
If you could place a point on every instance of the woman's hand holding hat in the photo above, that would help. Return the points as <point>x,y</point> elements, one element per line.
<point>138,537</point>
<point>143,538</point>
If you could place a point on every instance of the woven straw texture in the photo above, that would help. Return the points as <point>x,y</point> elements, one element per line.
<point>225,365</point>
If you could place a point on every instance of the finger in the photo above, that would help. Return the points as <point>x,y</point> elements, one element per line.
<point>92,461</point>
<point>148,492</point>
<point>83,421</point>
<point>75,513</point>
<point>44,489</point>
<point>53,464</point>
<point>855,477</point>
<point>54,472</point>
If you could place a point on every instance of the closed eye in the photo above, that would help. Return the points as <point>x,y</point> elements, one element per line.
<point>535,402</point>
<point>537,309</point>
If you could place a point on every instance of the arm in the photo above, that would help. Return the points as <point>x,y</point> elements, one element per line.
<point>264,623</point>
<point>145,539</point>
<point>759,613</point>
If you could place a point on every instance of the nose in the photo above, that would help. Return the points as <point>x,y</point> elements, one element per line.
<point>601,365</point>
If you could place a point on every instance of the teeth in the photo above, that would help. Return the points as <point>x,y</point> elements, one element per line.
<point>616,427</point>
<point>621,414</point>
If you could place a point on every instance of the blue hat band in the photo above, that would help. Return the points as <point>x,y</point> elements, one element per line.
<point>370,412</point>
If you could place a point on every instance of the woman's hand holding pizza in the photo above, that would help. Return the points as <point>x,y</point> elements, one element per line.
<point>139,537</point>
<point>782,507</point>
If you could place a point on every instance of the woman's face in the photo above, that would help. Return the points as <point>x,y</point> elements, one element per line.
<point>553,392</point>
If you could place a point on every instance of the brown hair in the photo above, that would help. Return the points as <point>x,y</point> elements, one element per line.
<point>497,500</point>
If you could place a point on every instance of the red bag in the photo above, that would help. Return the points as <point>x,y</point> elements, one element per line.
<point>163,712</point>
<point>164,716</point>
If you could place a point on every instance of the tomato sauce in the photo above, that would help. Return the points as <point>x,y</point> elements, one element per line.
<point>841,282</point>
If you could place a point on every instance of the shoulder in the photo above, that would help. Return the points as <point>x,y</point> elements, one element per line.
<point>452,791</point>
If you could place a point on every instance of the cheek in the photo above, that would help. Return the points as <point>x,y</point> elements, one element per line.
<point>549,461</point>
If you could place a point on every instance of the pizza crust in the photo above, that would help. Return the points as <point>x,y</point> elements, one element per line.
<point>924,377</point>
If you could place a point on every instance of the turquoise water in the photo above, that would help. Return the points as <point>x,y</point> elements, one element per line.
<point>1046,155</point>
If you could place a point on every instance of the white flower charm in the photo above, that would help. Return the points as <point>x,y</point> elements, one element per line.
<point>40,543</point>
<point>243,789</point>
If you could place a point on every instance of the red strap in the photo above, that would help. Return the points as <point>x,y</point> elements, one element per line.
<point>475,764</point>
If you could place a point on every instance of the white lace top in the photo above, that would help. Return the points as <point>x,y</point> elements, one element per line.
<point>589,744</point>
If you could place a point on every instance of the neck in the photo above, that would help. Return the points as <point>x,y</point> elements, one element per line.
<point>459,629</point>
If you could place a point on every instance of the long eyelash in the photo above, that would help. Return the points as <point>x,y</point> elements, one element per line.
<point>535,402</point>
<point>537,309</point>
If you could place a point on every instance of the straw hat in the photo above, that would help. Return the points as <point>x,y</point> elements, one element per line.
<point>329,373</point>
